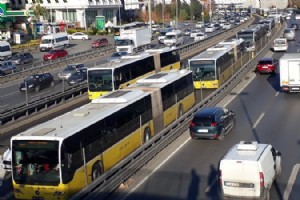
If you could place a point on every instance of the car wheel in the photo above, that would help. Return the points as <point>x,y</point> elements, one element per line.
<point>278,166</point>
<point>222,135</point>
<point>83,38</point>
<point>37,89</point>
<point>70,38</point>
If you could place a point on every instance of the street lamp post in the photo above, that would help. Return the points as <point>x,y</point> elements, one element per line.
<point>120,13</point>
<point>202,14</point>
<point>163,13</point>
<point>176,14</point>
<point>210,12</point>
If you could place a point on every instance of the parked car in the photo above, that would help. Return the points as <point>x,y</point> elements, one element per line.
<point>36,82</point>
<point>289,34</point>
<point>186,23</point>
<point>200,36</point>
<point>194,32</point>
<point>210,29</point>
<point>266,65</point>
<point>7,67</point>
<point>117,56</point>
<point>78,36</point>
<point>77,77</point>
<point>101,42</point>
<point>248,170</point>
<point>199,25</point>
<point>55,53</point>
<point>212,123</point>
<point>226,26</point>
<point>69,70</point>
<point>22,58</point>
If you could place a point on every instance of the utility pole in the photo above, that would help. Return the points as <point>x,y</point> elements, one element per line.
<point>176,14</point>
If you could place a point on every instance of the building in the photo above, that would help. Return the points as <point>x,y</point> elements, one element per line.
<point>253,3</point>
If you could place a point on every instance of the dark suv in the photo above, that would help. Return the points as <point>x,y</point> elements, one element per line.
<point>212,123</point>
<point>37,82</point>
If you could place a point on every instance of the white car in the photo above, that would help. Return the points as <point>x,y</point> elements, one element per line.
<point>78,36</point>
<point>200,36</point>
<point>209,29</point>
<point>194,32</point>
<point>226,26</point>
<point>199,25</point>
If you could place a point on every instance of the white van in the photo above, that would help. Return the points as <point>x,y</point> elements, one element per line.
<point>280,44</point>
<point>248,170</point>
<point>174,38</point>
<point>5,50</point>
<point>54,40</point>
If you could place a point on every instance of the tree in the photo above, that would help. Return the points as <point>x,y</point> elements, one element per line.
<point>39,10</point>
<point>195,9</point>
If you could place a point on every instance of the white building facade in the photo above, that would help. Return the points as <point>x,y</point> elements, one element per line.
<point>254,3</point>
<point>80,12</point>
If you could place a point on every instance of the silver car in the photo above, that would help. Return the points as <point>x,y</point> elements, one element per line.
<point>289,34</point>
<point>69,70</point>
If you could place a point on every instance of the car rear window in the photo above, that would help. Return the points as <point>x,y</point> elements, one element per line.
<point>203,121</point>
<point>265,62</point>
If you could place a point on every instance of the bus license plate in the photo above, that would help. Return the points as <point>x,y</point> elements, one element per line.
<point>37,198</point>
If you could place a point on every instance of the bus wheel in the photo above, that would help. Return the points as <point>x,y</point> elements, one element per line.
<point>97,170</point>
<point>147,134</point>
<point>180,111</point>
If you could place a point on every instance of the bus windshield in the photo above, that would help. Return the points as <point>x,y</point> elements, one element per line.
<point>121,42</point>
<point>46,41</point>
<point>100,80</point>
<point>35,162</point>
<point>246,37</point>
<point>203,70</point>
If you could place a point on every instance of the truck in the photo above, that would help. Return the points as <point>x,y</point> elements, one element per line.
<point>289,72</point>
<point>133,40</point>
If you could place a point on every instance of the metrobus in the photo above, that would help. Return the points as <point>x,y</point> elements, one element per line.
<point>55,159</point>
<point>211,68</point>
<point>252,34</point>
<point>110,77</point>
<point>238,45</point>
<point>174,90</point>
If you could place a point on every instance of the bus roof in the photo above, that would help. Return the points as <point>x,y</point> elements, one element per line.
<point>225,47</point>
<point>69,123</point>
<point>209,55</point>
<point>233,41</point>
<point>125,60</point>
<point>159,80</point>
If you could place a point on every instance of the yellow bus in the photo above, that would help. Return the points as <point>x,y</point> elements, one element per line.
<point>118,75</point>
<point>212,67</point>
<point>56,159</point>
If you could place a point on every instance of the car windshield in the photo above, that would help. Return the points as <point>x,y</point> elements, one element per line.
<point>287,31</point>
<point>33,77</point>
<point>265,62</point>
<point>100,80</point>
<point>116,54</point>
<point>46,41</point>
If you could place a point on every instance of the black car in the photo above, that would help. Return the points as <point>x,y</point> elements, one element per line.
<point>35,83</point>
<point>22,58</point>
<point>78,77</point>
<point>217,26</point>
<point>212,123</point>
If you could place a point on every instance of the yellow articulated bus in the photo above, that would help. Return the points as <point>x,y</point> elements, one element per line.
<point>174,90</point>
<point>56,159</point>
<point>118,75</point>
<point>212,67</point>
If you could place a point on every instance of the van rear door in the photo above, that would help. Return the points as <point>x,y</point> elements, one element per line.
<point>240,179</point>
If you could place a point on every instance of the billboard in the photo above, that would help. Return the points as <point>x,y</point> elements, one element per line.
<point>2,10</point>
<point>100,22</point>
<point>132,4</point>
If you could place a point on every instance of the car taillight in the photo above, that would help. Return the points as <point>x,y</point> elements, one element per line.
<point>213,124</point>
<point>261,179</point>
<point>192,124</point>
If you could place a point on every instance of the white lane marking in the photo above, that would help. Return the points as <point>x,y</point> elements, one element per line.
<point>3,106</point>
<point>161,164</point>
<point>291,181</point>
<point>5,95</point>
<point>258,120</point>
<point>277,93</point>
<point>242,88</point>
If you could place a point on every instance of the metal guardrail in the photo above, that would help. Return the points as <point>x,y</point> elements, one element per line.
<point>108,182</point>
<point>45,66</point>
<point>24,109</point>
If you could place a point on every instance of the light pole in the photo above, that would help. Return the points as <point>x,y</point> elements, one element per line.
<point>210,13</point>
<point>176,14</point>
<point>120,13</point>
<point>163,13</point>
<point>202,14</point>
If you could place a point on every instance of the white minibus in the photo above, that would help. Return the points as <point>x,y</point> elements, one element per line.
<point>5,50</point>
<point>173,38</point>
<point>54,40</point>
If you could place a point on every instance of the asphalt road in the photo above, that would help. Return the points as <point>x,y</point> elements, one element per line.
<point>10,95</point>
<point>264,114</point>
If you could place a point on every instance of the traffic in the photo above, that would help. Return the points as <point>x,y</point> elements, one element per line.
<point>163,97</point>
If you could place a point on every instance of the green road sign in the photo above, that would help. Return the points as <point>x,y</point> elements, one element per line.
<point>100,22</point>
<point>2,10</point>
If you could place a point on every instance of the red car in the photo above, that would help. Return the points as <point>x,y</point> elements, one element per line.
<point>266,65</point>
<point>100,43</point>
<point>55,53</point>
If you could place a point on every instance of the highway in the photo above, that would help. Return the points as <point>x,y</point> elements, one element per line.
<point>188,169</point>
<point>10,95</point>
